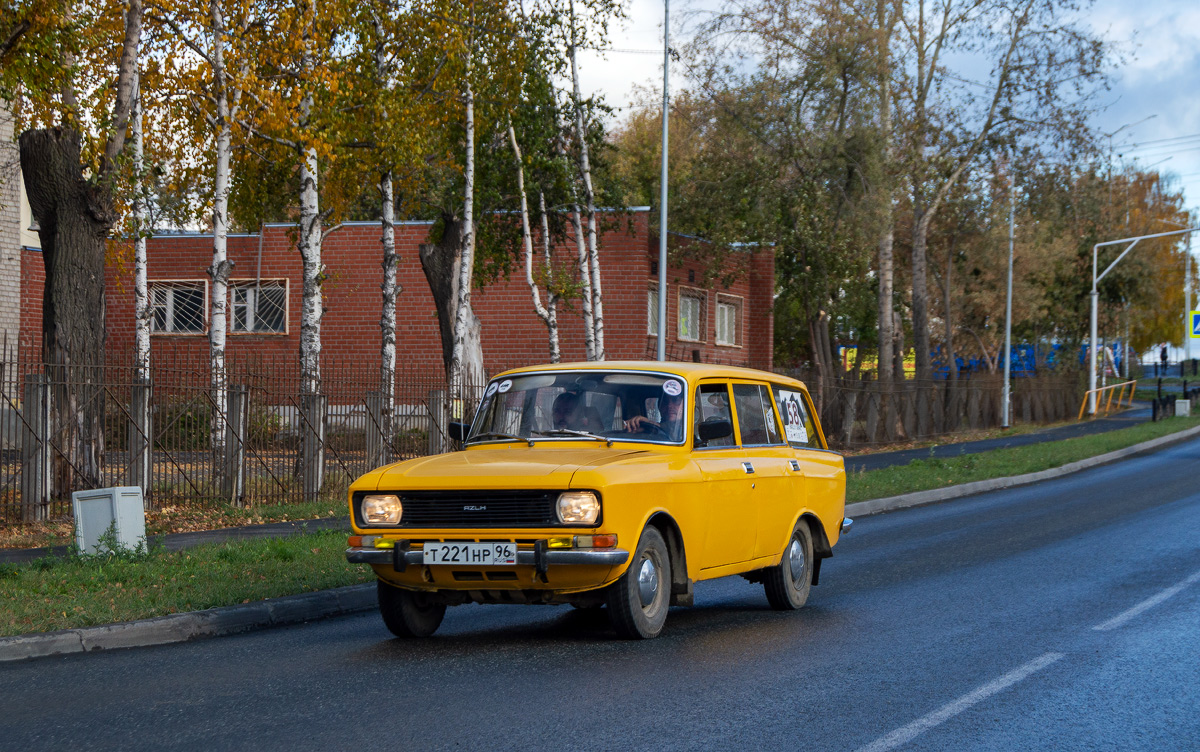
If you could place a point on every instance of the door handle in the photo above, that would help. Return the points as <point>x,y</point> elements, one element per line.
<point>748,467</point>
<point>795,465</point>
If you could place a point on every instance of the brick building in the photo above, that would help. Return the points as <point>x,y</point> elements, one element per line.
<point>15,231</point>
<point>727,324</point>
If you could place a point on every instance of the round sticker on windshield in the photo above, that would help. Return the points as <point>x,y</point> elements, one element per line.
<point>491,389</point>
<point>673,388</point>
<point>505,385</point>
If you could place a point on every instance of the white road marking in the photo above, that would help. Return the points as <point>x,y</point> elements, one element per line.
<point>1149,603</point>
<point>907,733</point>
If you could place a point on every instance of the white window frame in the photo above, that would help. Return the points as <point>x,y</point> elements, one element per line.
<point>169,286</point>
<point>652,311</point>
<point>250,286</point>
<point>700,297</point>
<point>735,304</point>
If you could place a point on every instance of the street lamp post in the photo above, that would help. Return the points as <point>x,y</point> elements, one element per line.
<point>662,198</point>
<point>1012,213</point>
<point>1096,296</point>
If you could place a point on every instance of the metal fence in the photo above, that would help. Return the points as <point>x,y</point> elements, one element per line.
<point>265,443</point>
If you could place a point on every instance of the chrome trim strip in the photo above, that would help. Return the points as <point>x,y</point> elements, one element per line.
<point>557,556</point>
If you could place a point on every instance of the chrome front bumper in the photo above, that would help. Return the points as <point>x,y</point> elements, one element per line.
<point>549,557</point>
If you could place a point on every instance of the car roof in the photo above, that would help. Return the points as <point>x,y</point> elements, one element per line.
<point>691,371</point>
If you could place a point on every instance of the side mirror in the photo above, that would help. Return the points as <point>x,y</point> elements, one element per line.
<point>713,429</point>
<point>459,431</point>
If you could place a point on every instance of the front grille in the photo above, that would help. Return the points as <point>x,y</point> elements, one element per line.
<point>479,508</point>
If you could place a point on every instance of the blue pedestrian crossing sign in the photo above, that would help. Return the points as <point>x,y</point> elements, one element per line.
<point>1194,324</point>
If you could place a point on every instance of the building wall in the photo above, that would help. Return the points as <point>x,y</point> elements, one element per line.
<point>10,232</point>
<point>512,333</point>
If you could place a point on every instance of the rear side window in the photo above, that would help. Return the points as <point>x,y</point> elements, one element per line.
<point>712,403</point>
<point>756,417</point>
<point>798,426</point>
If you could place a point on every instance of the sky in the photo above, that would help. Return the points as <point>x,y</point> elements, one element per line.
<point>1151,114</point>
<point>1159,78</point>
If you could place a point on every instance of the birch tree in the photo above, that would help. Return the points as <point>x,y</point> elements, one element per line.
<point>214,37</point>
<point>292,52</point>
<point>1044,65</point>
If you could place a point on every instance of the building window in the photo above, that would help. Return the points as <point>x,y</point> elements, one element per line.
<point>652,311</point>
<point>178,307</point>
<point>729,321</point>
<point>260,307</point>
<point>691,315</point>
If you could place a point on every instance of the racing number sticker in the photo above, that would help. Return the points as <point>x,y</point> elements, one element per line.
<point>793,416</point>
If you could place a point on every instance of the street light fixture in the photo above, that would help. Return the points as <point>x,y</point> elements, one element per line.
<point>1095,298</point>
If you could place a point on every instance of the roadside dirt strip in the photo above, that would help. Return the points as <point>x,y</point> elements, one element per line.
<point>295,609</point>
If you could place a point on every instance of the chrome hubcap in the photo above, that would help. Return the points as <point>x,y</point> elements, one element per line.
<point>796,562</point>
<point>647,582</point>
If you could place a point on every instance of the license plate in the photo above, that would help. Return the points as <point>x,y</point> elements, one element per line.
<point>471,554</point>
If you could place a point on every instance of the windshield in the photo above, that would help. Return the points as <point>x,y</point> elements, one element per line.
<point>575,405</point>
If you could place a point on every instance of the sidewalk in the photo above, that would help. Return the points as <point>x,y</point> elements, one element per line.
<point>1139,413</point>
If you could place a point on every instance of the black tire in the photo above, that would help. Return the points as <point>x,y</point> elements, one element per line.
<point>638,601</point>
<point>407,613</point>
<point>787,585</point>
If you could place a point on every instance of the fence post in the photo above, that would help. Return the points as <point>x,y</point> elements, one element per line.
<point>141,439</point>
<point>437,421</point>
<point>377,438</point>
<point>312,444</point>
<point>233,476</point>
<point>35,449</point>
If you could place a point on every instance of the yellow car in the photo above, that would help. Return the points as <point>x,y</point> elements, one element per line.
<point>608,483</point>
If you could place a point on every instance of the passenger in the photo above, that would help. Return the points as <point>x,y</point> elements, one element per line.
<point>565,412</point>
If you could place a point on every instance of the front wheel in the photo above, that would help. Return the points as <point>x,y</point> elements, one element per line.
<point>787,584</point>
<point>638,601</point>
<point>407,613</point>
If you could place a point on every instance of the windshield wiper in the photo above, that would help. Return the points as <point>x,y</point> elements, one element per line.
<point>497,435</point>
<point>572,432</point>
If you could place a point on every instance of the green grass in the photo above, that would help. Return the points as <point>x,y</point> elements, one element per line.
<point>82,591</point>
<point>937,472</point>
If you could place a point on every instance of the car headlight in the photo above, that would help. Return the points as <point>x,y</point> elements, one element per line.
<point>579,507</point>
<point>382,510</point>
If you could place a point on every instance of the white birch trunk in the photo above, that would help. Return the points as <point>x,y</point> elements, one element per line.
<point>552,295</point>
<point>585,286</point>
<point>313,272</point>
<point>585,170</point>
<point>527,239</point>
<point>219,271</point>
<point>387,318</point>
<point>466,359</point>
<point>141,290</point>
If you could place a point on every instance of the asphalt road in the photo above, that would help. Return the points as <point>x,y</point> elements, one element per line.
<point>1061,615</point>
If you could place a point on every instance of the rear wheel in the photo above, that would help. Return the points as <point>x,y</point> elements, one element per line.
<point>787,585</point>
<point>638,601</point>
<point>407,613</point>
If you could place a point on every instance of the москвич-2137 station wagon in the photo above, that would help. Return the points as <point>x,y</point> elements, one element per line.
<point>617,484</point>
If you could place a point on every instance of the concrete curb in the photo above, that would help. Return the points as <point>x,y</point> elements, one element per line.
<point>933,496</point>
<point>294,609</point>
<point>163,630</point>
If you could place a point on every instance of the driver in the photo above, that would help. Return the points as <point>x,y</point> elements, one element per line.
<point>670,407</point>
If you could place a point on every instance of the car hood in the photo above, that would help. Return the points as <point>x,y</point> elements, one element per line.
<point>498,468</point>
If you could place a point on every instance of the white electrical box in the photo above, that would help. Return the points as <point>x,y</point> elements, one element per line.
<point>99,509</point>
<point>1183,408</point>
